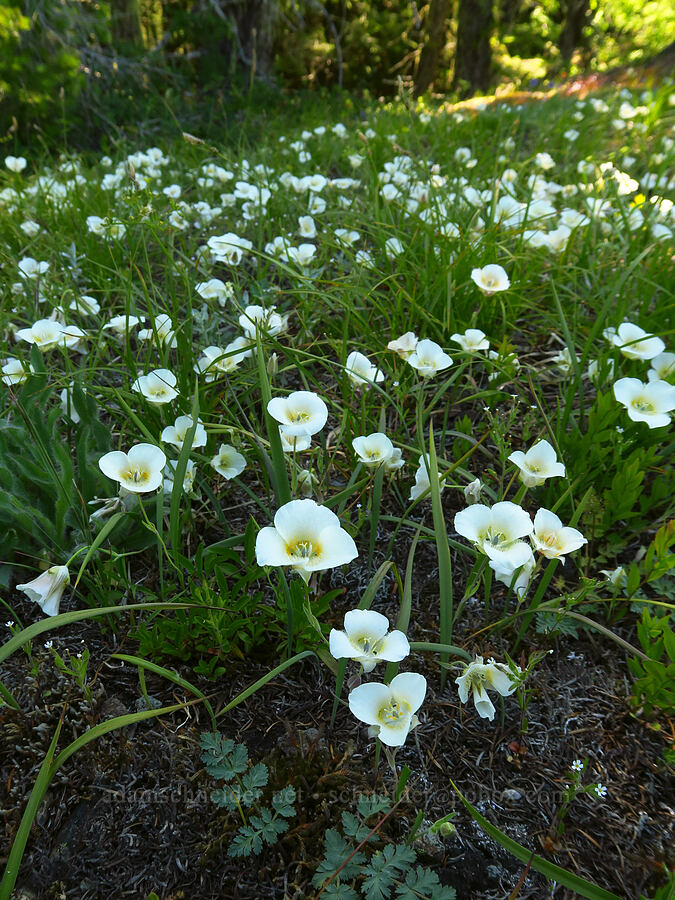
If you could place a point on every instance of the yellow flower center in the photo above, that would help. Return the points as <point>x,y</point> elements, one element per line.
<point>304,549</point>
<point>393,712</point>
<point>138,476</point>
<point>642,405</point>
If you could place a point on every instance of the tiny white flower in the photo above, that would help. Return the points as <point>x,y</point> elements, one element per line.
<point>367,640</point>
<point>600,790</point>
<point>472,492</point>
<point>138,471</point>
<point>577,766</point>
<point>390,709</point>
<point>47,589</point>
<point>539,463</point>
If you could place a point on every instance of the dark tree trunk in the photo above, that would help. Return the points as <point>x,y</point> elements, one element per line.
<point>256,27</point>
<point>125,21</point>
<point>576,14</point>
<point>435,37</point>
<point>473,57</point>
<point>508,11</point>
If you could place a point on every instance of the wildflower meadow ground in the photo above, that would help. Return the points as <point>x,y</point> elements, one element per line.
<point>337,498</point>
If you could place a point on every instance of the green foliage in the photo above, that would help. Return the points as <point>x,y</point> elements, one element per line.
<point>244,783</point>
<point>44,487</point>
<point>380,874</point>
<point>654,685</point>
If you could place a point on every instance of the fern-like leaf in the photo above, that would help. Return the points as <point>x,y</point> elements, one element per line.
<point>384,867</point>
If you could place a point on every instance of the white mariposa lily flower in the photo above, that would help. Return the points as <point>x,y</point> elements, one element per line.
<point>634,342</point>
<point>390,709</point>
<point>217,361</point>
<point>479,678</point>
<point>365,640</point>
<point>539,463</point>
<point>552,539</point>
<point>163,329</point>
<point>422,482</point>
<point>215,289</point>
<point>663,367</point>
<point>294,443</point>
<point>361,371</point>
<point>158,386</point>
<point>305,536</point>
<point>302,412</point>
<point>405,345</point>
<point>138,471</point>
<point>228,462</point>
<point>496,530</point>
<point>515,570</point>
<point>45,334</point>
<point>472,340</point>
<point>47,589</point>
<point>373,449</point>
<point>175,434</point>
<point>650,403</point>
<point>491,279</point>
<point>428,358</point>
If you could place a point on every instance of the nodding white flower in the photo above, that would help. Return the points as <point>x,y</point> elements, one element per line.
<point>268,320</point>
<point>305,536</point>
<point>170,475</point>
<point>307,227</point>
<point>361,371</point>
<point>345,237</point>
<point>422,482</point>
<point>163,328</point>
<point>229,248</point>
<point>373,449</point>
<point>479,678</point>
<point>634,342</point>
<point>302,412</point>
<point>393,247</point>
<point>216,361</point>
<point>472,340</point>
<point>519,565</point>
<point>552,539</point>
<point>600,372</point>
<point>472,492</point>
<point>395,461</point>
<point>121,324</point>
<point>563,360</point>
<point>491,279</point>
<point>138,471</point>
<point>14,371</point>
<point>404,345</point>
<point>45,334</point>
<point>158,386</point>
<point>31,268</point>
<point>539,463</point>
<point>215,289</point>
<point>429,358</point>
<point>496,530</point>
<point>47,589</point>
<point>294,443</point>
<point>390,708</point>
<point>663,367</point>
<point>366,641</point>
<point>616,577</point>
<point>649,403</point>
<point>305,482</point>
<point>228,462</point>
<point>31,228</point>
<point>87,305</point>
<point>175,434</point>
<point>15,163</point>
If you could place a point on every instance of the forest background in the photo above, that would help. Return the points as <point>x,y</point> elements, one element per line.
<point>86,71</point>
